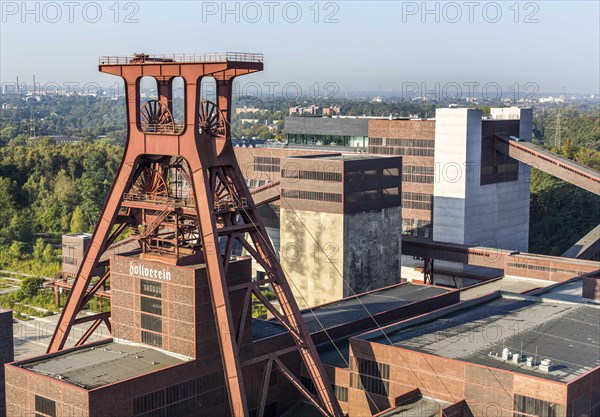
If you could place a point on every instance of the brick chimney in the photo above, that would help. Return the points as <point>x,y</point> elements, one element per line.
<point>591,287</point>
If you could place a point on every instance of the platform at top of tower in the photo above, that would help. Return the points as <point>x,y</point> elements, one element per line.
<point>193,58</point>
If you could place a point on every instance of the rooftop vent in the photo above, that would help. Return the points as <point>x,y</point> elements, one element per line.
<point>546,365</point>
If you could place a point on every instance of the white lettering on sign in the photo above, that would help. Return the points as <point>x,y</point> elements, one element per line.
<point>143,271</point>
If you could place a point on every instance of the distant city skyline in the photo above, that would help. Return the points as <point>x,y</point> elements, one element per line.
<point>546,46</point>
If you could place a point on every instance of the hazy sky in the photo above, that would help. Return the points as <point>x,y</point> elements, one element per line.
<point>554,45</point>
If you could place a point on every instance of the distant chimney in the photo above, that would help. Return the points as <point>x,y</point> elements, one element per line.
<point>591,288</point>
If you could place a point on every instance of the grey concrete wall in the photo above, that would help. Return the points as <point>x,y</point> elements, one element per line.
<point>495,215</point>
<point>312,255</point>
<point>328,256</point>
<point>7,353</point>
<point>455,130</point>
<point>498,214</point>
<point>372,249</point>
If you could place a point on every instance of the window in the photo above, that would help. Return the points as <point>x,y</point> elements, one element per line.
<point>370,376</point>
<point>153,323</point>
<point>312,195</point>
<point>526,406</point>
<point>341,393</point>
<point>150,288</point>
<point>417,201</point>
<point>181,391</point>
<point>148,402</point>
<point>152,339</point>
<point>151,305</point>
<point>183,399</point>
<point>44,407</point>
<point>312,175</point>
<point>266,164</point>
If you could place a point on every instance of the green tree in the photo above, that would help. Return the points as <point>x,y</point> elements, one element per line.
<point>48,254</point>
<point>30,287</point>
<point>78,223</point>
<point>17,250</point>
<point>38,249</point>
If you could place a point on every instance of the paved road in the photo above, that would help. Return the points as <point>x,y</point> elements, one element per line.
<point>31,338</point>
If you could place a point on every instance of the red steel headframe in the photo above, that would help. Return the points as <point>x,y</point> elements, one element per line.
<point>222,208</point>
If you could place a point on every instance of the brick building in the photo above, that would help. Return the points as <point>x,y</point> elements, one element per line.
<point>152,368</point>
<point>503,354</point>
<point>456,187</point>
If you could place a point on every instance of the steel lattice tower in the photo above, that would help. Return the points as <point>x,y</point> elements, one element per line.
<point>178,227</point>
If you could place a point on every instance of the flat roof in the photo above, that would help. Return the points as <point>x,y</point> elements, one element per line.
<point>418,407</point>
<point>477,331</point>
<point>517,285</point>
<point>570,291</point>
<point>102,364</point>
<point>362,306</point>
<point>351,309</point>
<point>335,354</point>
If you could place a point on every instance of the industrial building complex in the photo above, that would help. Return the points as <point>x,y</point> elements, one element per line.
<point>390,256</point>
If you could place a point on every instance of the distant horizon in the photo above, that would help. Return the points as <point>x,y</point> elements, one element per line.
<point>359,46</point>
<point>7,88</point>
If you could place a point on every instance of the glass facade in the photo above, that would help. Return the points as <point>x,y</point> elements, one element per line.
<point>327,140</point>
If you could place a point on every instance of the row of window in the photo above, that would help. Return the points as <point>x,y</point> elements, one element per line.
<point>409,196</point>
<point>266,168</point>
<point>394,150</point>
<point>184,398</point>
<point>312,195</point>
<point>266,164</point>
<point>545,268</point>
<point>587,404</point>
<point>312,175</point>
<point>371,376</point>
<point>418,169</point>
<point>528,406</point>
<point>414,178</point>
<point>380,194</point>
<point>417,205</point>
<point>267,160</point>
<point>415,143</point>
